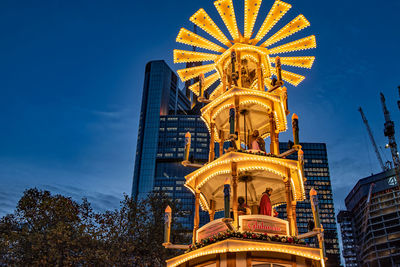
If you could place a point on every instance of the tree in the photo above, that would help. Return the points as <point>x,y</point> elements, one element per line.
<point>44,230</point>
<point>156,204</point>
<point>134,233</point>
<point>54,230</point>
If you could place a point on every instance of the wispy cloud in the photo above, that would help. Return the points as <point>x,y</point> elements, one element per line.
<point>100,201</point>
<point>110,114</point>
<point>102,189</point>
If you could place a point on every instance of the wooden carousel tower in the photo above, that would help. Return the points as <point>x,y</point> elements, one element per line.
<point>247,107</point>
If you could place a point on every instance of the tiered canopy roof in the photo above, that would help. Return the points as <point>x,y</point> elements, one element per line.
<point>259,105</point>
<point>252,46</point>
<point>265,170</point>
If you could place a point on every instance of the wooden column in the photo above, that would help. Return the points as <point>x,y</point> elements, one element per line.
<point>276,143</point>
<point>211,154</point>
<point>196,215</point>
<point>248,259</point>
<point>272,132</point>
<point>285,100</point>
<point>237,121</point>
<point>274,146</point>
<point>296,231</point>
<point>239,68</point>
<point>231,259</point>
<point>224,81</point>
<point>221,143</point>
<point>289,208</point>
<point>212,211</point>
<point>234,194</point>
<point>294,260</point>
<point>259,75</point>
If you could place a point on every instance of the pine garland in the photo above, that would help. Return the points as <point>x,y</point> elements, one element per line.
<point>258,153</point>
<point>244,235</point>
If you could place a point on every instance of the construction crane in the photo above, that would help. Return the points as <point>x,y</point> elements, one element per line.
<point>378,155</point>
<point>389,133</point>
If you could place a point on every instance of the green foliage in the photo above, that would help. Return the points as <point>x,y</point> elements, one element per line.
<point>53,230</point>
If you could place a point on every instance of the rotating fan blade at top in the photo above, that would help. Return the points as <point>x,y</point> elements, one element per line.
<point>203,20</point>
<point>241,62</point>
<point>251,8</point>
<point>277,11</point>
<point>190,38</point>
<point>227,13</point>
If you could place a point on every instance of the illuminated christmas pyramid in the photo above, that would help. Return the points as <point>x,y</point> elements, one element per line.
<point>248,106</point>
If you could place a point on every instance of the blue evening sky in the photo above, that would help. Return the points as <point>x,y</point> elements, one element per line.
<point>71,77</point>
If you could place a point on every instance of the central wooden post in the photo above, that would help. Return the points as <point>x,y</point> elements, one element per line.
<point>224,81</point>
<point>259,75</point>
<point>234,194</point>
<point>237,125</point>
<point>211,154</point>
<point>239,69</point>
<point>274,146</point>
<point>221,143</point>
<point>196,214</point>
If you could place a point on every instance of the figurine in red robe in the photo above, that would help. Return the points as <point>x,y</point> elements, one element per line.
<point>265,203</point>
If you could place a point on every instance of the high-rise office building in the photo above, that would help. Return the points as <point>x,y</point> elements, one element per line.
<point>170,173</point>
<point>317,172</point>
<point>349,251</point>
<point>160,97</point>
<point>373,206</point>
<point>165,117</point>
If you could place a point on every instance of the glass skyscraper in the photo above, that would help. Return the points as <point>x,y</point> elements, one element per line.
<point>373,214</point>
<point>316,171</point>
<point>170,173</point>
<point>161,97</point>
<point>165,117</point>
<point>349,250</point>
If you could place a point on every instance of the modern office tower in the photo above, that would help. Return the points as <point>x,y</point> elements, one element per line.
<point>317,173</point>
<point>165,117</point>
<point>374,207</point>
<point>161,97</point>
<point>349,251</point>
<point>169,172</point>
